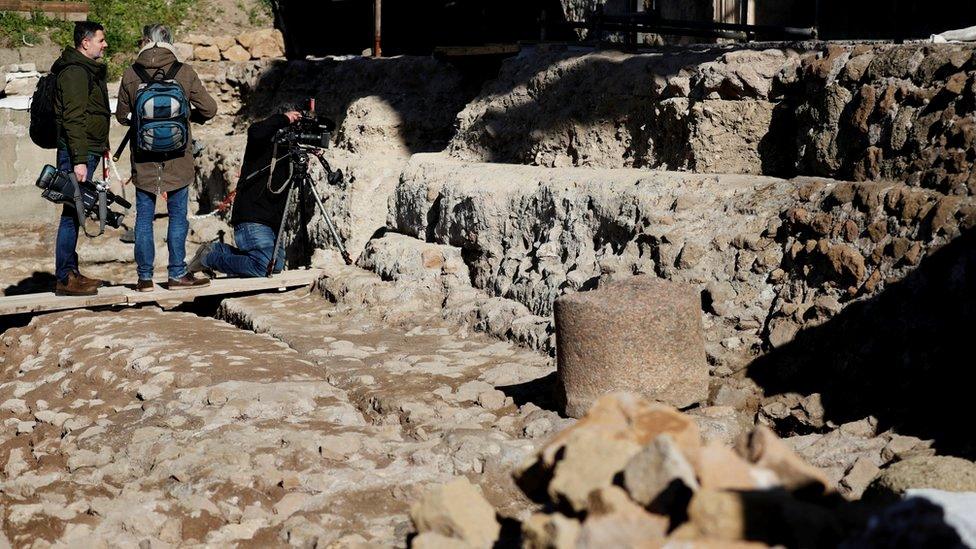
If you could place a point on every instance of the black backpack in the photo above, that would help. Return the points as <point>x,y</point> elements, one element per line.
<point>43,122</point>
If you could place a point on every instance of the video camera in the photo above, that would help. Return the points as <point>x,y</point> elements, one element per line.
<point>90,198</point>
<point>310,129</point>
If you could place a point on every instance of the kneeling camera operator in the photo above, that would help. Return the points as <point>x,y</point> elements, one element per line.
<point>275,164</point>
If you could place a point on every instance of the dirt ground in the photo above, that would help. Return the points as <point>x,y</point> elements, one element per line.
<point>287,419</point>
<point>217,17</point>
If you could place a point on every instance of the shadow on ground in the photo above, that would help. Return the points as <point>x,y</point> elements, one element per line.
<point>904,356</point>
<point>36,283</point>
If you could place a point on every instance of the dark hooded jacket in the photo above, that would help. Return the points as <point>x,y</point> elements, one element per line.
<point>163,173</point>
<point>81,106</point>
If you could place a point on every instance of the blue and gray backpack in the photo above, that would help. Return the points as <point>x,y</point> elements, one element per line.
<point>161,114</point>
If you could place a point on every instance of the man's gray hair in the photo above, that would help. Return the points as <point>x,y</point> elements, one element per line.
<point>157,33</point>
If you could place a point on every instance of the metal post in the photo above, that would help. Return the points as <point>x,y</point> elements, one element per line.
<point>377,28</point>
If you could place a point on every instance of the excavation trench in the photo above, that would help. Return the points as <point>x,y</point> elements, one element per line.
<point>319,415</point>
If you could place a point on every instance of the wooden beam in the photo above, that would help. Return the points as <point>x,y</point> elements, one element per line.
<point>121,295</point>
<point>44,6</point>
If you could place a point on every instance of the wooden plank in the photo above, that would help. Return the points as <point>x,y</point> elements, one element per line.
<point>121,295</point>
<point>47,301</point>
<point>220,286</point>
<point>46,7</point>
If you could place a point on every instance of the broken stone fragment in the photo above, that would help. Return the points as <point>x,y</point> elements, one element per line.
<point>16,406</point>
<point>720,468</point>
<point>614,520</point>
<point>289,504</point>
<point>628,422</point>
<point>951,474</point>
<point>859,477</point>
<point>589,462</point>
<point>457,510</point>
<point>764,449</point>
<point>554,531</point>
<point>659,476</point>
<point>901,447</point>
<point>236,54</point>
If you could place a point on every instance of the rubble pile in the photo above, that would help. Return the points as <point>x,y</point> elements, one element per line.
<point>633,473</point>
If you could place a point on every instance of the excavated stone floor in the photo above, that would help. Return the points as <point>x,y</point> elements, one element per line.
<point>292,421</point>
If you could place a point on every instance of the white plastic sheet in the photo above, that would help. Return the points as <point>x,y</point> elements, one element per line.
<point>959,509</point>
<point>967,34</point>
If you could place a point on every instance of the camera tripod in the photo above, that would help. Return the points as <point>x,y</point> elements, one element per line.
<point>300,179</point>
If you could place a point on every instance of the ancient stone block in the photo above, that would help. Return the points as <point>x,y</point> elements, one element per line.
<point>184,51</point>
<point>224,42</point>
<point>236,54</point>
<point>641,335</point>
<point>206,53</point>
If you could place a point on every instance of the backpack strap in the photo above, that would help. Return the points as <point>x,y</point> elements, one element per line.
<point>171,74</point>
<point>141,73</point>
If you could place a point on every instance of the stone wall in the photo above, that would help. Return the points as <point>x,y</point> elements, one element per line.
<point>771,256</point>
<point>860,112</point>
<point>248,45</point>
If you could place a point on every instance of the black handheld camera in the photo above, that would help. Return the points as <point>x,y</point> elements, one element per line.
<point>59,187</point>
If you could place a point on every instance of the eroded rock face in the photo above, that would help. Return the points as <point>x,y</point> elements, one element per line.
<point>861,112</point>
<point>771,256</point>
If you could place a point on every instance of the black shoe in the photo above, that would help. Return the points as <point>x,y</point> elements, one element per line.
<point>129,236</point>
<point>196,264</point>
<point>144,285</point>
<point>186,282</point>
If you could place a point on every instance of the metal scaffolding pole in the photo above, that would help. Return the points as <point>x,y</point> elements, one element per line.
<point>377,28</point>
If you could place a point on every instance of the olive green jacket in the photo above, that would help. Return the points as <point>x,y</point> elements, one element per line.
<point>81,106</point>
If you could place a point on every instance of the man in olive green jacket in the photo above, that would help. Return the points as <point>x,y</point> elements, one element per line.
<point>81,109</point>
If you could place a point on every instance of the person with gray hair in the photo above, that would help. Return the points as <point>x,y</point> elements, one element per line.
<point>168,172</point>
<point>156,34</point>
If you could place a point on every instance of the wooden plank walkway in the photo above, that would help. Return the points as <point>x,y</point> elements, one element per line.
<point>122,295</point>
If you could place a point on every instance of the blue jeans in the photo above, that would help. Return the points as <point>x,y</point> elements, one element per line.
<point>176,206</point>
<point>65,253</point>
<point>255,242</point>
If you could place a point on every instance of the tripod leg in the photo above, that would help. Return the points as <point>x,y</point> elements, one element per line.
<point>281,232</point>
<point>328,222</point>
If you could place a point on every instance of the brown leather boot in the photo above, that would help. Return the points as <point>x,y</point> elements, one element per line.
<point>94,282</point>
<point>74,286</point>
<point>188,281</point>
